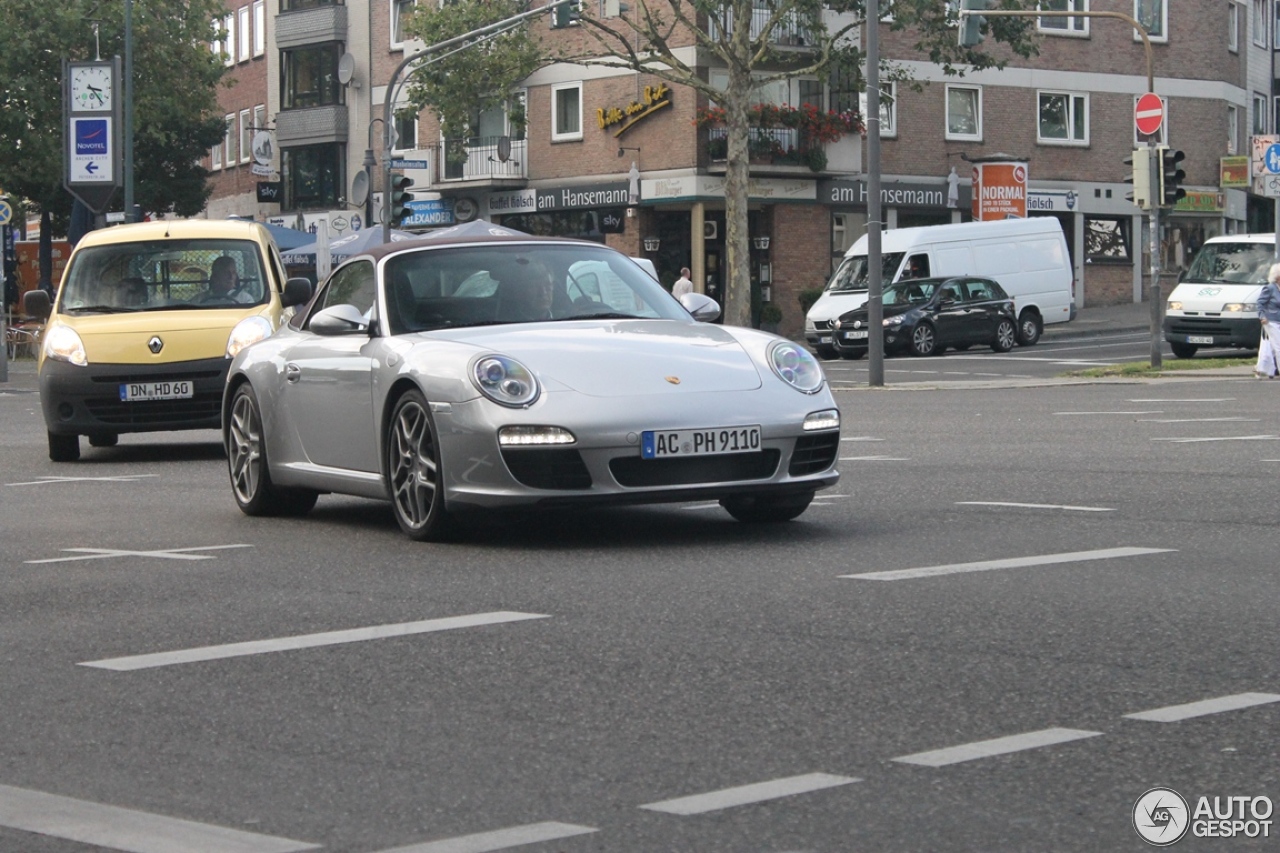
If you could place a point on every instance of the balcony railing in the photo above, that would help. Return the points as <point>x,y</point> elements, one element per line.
<point>790,31</point>
<point>780,146</point>
<point>480,158</point>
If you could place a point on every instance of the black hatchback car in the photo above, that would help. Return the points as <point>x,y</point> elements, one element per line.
<point>926,316</point>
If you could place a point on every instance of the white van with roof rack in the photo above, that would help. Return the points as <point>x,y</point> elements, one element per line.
<point>1215,303</point>
<point>1027,257</point>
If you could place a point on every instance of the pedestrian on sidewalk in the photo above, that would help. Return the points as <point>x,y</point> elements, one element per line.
<point>683,285</point>
<point>1269,315</point>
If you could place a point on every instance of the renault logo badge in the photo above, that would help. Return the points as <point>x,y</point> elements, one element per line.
<point>674,380</point>
<point>155,344</point>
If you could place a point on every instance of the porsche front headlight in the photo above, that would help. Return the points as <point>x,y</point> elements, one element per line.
<point>796,366</point>
<point>62,343</point>
<point>250,330</point>
<point>505,381</point>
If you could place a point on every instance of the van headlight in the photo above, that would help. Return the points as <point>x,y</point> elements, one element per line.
<point>1241,307</point>
<point>1175,306</point>
<point>250,330</point>
<point>62,343</point>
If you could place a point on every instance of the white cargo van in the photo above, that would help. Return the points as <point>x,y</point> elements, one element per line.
<point>1028,257</point>
<point>1216,301</point>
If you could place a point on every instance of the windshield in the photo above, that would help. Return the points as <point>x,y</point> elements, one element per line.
<point>1232,263</point>
<point>912,293</point>
<point>152,275</point>
<point>442,288</point>
<point>852,273</point>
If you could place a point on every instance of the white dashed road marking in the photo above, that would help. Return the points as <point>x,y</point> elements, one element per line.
<point>1060,414</point>
<point>124,829</point>
<point>165,554</point>
<point>1015,563</point>
<point>498,839</point>
<point>1038,506</point>
<point>1222,438</point>
<point>309,641</point>
<point>1196,420</point>
<point>996,746</point>
<point>747,794</point>
<point>1174,713</point>
<point>874,459</point>
<point>44,481</point>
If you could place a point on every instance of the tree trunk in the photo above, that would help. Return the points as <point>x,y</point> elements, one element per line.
<point>737,296</point>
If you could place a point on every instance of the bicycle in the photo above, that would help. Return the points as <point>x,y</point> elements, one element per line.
<point>23,339</point>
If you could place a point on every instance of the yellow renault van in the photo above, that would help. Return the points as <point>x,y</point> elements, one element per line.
<point>146,322</point>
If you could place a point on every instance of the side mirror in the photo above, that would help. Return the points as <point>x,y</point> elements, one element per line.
<point>703,308</point>
<point>297,291</point>
<point>339,320</point>
<point>36,303</point>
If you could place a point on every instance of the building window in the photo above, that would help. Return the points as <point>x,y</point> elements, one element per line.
<point>312,176</point>
<point>311,76</point>
<point>294,5</point>
<point>1161,136</point>
<point>215,157</point>
<point>1106,239</point>
<point>246,136</point>
<point>1154,17</point>
<point>406,130</point>
<point>1233,26</point>
<point>1233,129</point>
<point>1275,27</point>
<point>1062,117</point>
<point>215,46</point>
<point>229,45</point>
<point>566,112</point>
<point>229,141</point>
<point>964,112</point>
<point>242,49</point>
<point>400,10</point>
<point>888,108</point>
<point>1259,114</point>
<point>259,27</point>
<point>1261,17</point>
<point>1064,26</point>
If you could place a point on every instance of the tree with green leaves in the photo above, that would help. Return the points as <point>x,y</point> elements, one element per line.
<point>176,115</point>
<point>651,38</point>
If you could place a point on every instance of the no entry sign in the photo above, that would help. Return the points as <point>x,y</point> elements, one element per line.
<point>1148,114</point>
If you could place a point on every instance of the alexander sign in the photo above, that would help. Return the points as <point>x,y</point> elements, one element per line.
<point>655,98</point>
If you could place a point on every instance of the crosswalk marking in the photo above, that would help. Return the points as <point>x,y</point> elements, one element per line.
<point>125,829</point>
<point>1174,713</point>
<point>1014,563</point>
<point>308,641</point>
<point>498,839</point>
<point>747,794</point>
<point>995,746</point>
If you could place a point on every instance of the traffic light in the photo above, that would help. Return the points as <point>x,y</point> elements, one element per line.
<point>566,14</point>
<point>1140,177</point>
<point>1171,175</point>
<point>971,24</point>
<point>400,198</point>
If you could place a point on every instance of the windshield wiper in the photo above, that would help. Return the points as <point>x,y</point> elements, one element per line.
<point>601,315</point>
<point>100,309</point>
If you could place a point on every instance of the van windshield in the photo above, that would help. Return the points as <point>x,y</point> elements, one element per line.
<point>1231,263</point>
<point>151,275</point>
<point>851,275</point>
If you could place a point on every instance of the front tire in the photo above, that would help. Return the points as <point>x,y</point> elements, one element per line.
<point>247,463</point>
<point>1006,336</point>
<point>1030,327</point>
<point>1183,350</point>
<point>767,509</point>
<point>64,448</point>
<point>924,340</point>
<point>827,353</point>
<point>104,439</point>
<point>415,477</point>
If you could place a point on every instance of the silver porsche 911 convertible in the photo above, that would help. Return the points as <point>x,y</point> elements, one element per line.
<point>472,373</point>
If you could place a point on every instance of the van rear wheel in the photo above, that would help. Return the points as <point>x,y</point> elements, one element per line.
<point>1183,350</point>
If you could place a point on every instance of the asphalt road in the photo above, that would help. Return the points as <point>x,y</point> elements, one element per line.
<point>946,652</point>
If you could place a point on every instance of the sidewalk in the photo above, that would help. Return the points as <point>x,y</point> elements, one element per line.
<point>1129,317</point>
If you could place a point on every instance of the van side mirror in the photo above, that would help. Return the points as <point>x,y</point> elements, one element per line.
<point>36,303</point>
<point>297,291</point>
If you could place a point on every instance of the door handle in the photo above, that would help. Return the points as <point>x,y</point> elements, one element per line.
<point>292,373</point>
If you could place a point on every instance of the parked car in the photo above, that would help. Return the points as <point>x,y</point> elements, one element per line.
<point>1027,256</point>
<point>926,316</point>
<point>140,338</point>
<point>575,379</point>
